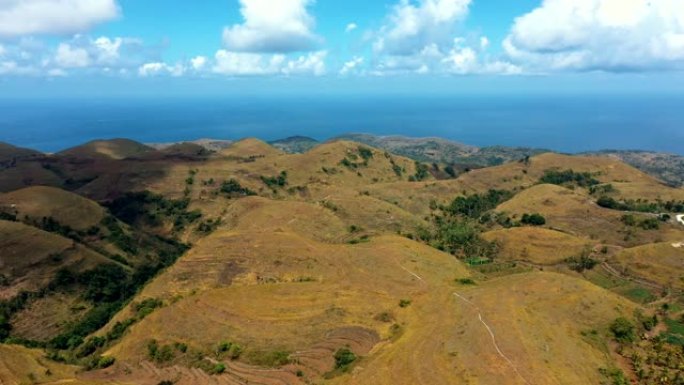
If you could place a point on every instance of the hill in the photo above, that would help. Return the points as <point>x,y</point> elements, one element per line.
<point>343,264</point>
<point>9,154</point>
<point>48,202</point>
<point>537,245</point>
<point>107,149</point>
<point>444,151</point>
<point>295,144</point>
<point>666,167</point>
<point>661,263</point>
<point>208,144</point>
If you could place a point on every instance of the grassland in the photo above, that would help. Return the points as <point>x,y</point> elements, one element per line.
<point>322,266</point>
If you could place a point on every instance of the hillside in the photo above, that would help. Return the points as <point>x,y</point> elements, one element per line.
<point>341,263</point>
<point>107,149</point>
<point>667,167</point>
<point>295,144</point>
<point>10,154</point>
<point>48,202</point>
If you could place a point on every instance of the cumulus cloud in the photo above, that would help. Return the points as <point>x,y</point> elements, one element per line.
<point>351,66</point>
<point>198,62</point>
<point>71,57</point>
<point>413,26</point>
<point>31,17</point>
<point>254,64</point>
<point>102,52</point>
<point>422,37</point>
<point>350,27</point>
<point>159,68</point>
<point>611,35</point>
<point>272,27</point>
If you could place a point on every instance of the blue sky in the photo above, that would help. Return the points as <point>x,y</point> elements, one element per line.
<point>79,47</point>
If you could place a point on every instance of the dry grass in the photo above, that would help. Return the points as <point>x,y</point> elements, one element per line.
<point>536,245</point>
<point>537,324</point>
<point>659,262</point>
<point>66,208</point>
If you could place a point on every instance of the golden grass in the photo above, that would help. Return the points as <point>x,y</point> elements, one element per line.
<point>108,149</point>
<point>19,365</point>
<point>661,263</point>
<point>66,208</point>
<point>536,245</point>
<point>537,324</point>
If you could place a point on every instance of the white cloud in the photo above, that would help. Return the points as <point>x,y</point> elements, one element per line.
<point>272,26</point>
<point>30,17</point>
<point>254,64</point>
<point>351,66</point>
<point>159,68</point>
<point>350,27</point>
<point>108,49</point>
<point>11,67</point>
<point>420,36</point>
<point>311,64</point>
<point>2,50</point>
<point>246,64</point>
<point>71,57</point>
<point>198,62</point>
<point>413,26</point>
<point>611,35</point>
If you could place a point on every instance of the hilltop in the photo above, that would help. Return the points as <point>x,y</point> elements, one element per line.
<point>343,262</point>
<point>107,149</point>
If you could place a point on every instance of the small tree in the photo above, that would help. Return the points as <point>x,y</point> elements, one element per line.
<point>623,330</point>
<point>344,358</point>
<point>533,219</point>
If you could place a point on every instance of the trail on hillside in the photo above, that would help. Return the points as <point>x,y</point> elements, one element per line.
<point>680,218</point>
<point>491,333</point>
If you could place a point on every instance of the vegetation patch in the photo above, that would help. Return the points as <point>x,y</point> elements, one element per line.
<point>233,189</point>
<point>275,182</point>
<point>153,210</point>
<point>569,178</point>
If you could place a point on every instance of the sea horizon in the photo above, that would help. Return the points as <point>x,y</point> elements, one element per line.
<point>561,123</point>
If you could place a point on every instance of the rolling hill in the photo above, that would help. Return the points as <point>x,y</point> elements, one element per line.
<point>339,263</point>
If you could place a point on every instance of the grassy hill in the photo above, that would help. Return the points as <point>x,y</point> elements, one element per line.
<point>331,264</point>
<point>39,202</point>
<point>107,149</point>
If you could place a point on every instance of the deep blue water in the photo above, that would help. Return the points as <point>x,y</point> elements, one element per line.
<point>567,123</point>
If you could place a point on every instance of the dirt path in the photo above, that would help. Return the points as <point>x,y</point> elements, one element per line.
<point>614,272</point>
<point>491,333</point>
<point>680,218</point>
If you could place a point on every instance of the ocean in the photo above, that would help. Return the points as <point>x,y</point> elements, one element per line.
<point>560,123</point>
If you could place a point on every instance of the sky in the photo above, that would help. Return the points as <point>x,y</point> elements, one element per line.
<point>177,47</point>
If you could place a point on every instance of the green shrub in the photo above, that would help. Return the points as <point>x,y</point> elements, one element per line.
<point>623,330</point>
<point>366,153</point>
<point>233,188</point>
<point>274,182</point>
<point>218,369</point>
<point>581,179</point>
<point>404,303</point>
<point>474,206</point>
<point>466,281</point>
<point>344,358</point>
<point>533,219</point>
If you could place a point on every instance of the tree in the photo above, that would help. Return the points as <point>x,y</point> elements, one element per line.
<point>533,219</point>
<point>623,330</point>
<point>343,358</point>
